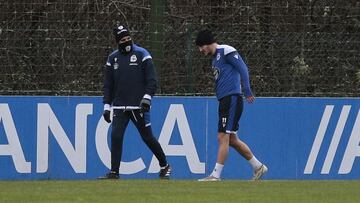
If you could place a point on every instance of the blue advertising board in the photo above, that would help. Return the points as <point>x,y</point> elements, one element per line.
<point>66,138</point>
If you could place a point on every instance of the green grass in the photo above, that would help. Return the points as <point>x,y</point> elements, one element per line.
<point>131,191</point>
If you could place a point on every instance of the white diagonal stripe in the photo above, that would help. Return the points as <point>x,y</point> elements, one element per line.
<point>318,139</point>
<point>335,139</point>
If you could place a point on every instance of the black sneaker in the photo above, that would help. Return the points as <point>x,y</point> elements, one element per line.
<point>165,172</point>
<point>110,175</point>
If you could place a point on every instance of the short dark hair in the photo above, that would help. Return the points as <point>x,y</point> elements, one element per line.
<point>204,37</point>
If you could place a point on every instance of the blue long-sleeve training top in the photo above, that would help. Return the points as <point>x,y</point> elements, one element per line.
<point>229,70</point>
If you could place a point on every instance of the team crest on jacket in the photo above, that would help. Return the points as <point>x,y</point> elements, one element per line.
<point>216,72</point>
<point>218,56</point>
<point>133,58</point>
<point>116,66</point>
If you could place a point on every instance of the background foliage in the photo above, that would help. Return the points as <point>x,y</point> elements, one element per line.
<point>292,47</point>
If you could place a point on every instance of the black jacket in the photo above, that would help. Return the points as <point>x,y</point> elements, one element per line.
<point>128,77</point>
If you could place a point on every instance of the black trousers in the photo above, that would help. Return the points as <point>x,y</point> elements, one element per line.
<point>120,121</point>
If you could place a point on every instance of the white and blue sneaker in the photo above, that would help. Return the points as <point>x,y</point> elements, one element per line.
<point>209,178</point>
<point>260,172</point>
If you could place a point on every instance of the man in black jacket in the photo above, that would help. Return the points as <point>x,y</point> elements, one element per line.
<point>129,85</point>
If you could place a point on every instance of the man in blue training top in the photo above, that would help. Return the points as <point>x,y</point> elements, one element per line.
<point>229,68</point>
<point>129,85</point>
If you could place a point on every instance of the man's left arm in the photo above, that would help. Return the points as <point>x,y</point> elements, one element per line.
<point>150,77</point>
<point>150,83</point>
<point>237,62</point>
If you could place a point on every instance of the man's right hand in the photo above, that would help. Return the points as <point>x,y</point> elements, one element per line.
<point>145,105</point>
<point>250,99</point>
<point>106,116</point>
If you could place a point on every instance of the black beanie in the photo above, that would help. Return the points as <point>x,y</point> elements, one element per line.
<point>120,32</point>
<point>204,37</point>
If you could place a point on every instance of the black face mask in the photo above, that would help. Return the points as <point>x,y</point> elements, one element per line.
<point>125,47</point>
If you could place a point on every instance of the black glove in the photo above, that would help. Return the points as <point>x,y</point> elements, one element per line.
<point>106,116</point>
<point>145,105</point>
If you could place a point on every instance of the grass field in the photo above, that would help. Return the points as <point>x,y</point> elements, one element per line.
<point>130,191</point>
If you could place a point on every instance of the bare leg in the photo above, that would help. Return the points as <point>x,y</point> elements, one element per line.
<point>240,147</point>
<point>223,150</point>
<point>243,149</point>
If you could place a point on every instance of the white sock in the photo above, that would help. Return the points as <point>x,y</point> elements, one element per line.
<point>217,170</point>
<point>256,164</point>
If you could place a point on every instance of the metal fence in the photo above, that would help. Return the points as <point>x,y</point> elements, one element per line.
<point>292,48</point>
